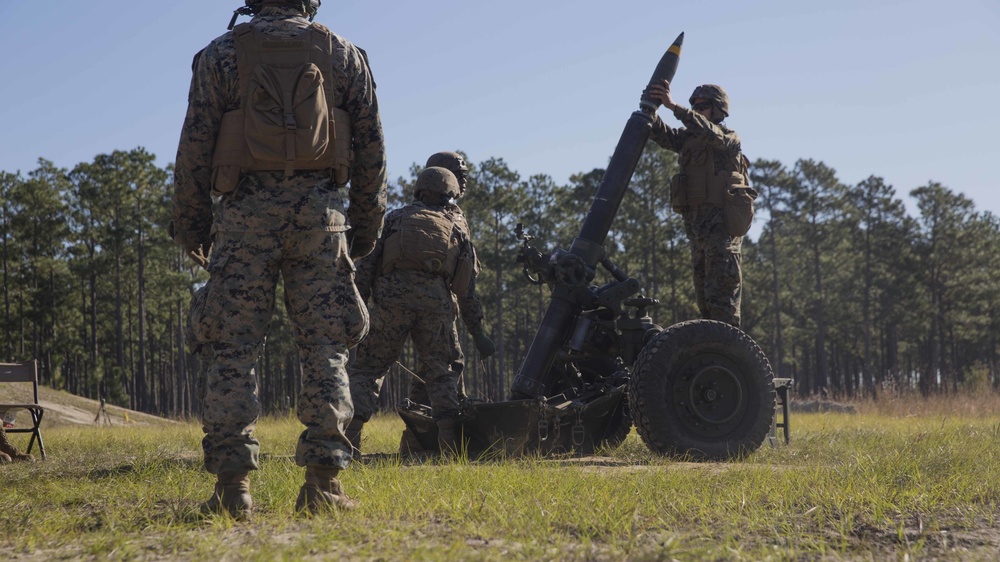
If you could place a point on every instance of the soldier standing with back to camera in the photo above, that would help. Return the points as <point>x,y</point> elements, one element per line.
<point>470,308</point>
<point>276,111</point>
<point>425,255</point>
<point>711,193</point>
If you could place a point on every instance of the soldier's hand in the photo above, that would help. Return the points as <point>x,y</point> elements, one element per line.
<point>484,345</point>
<point>661,93</point>
<point>200,256</point>
<point>647,93</point>
<point>197,245</point>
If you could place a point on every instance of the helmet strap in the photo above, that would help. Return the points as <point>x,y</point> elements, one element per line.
<point>244,11</point>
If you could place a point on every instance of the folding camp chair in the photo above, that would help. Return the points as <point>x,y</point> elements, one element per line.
<point>24,373</point>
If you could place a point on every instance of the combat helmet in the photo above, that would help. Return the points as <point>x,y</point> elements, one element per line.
<point>454,162</point>
<point>308,6</point>
<point>435,179</point>
<point>714,94</point>
<point>253,7</point>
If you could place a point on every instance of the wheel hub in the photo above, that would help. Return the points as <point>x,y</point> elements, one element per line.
<point>710,395</point>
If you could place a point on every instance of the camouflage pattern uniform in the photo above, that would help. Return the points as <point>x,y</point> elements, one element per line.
<point>715,255</point>
<point>272,225</point>
<point>418,304</point>
<point>418,389</point>
<point>8,452</point>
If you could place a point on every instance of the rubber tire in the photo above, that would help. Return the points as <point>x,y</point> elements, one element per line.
<point>660,392</point>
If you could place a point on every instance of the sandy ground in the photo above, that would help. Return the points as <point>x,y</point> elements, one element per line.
<point>63,408</point>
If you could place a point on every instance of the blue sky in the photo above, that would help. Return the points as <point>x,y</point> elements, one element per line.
<point>905,90</point>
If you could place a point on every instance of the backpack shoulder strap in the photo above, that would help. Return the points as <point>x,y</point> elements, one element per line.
<point>245,55</point>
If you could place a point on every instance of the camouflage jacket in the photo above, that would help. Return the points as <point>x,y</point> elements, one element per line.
<point>724,141</point>
<point>415,289</point>
<point>266,201</point>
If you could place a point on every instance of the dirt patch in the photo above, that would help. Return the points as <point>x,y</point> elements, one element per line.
<point>68,414</point>
<point>63,408</point>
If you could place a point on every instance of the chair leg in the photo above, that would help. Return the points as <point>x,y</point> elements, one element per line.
<point>784,411</point>
<point>783,395</point>
<point>37,434</point>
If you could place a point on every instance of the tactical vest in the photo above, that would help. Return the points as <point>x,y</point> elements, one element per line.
<point>288,118</point>
<point>699,182</point>
<point>424,242</point>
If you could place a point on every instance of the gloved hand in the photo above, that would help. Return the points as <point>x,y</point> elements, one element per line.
<point>200,256</point>
<point>196,245</point>
<point>359,246</point>
<point>484,345</point>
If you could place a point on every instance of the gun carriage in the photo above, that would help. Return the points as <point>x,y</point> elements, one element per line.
<point>599,364</point>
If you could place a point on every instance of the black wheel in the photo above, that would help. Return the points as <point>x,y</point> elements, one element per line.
<point>702,389</point>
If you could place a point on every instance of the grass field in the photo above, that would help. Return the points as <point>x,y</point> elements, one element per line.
<point>900,480</point>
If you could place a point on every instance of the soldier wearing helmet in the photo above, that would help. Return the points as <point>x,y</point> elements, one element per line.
<point>454,162</point>
<point>470,309</point>
<point>711,193</point>
<point>422,263</point>
<point>282,207</point>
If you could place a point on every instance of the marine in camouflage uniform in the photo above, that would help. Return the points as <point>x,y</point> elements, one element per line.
<point>410,291</point>
<point>202,350</point>
<point>706,147</point>
<point>292,223</point>
<point>9,453</point>
<point>455,163</point>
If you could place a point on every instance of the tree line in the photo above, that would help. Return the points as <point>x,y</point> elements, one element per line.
<point>845,292</point>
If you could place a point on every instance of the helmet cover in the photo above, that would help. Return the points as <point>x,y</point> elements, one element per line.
<point>435,179</point>
<point>714,94</point>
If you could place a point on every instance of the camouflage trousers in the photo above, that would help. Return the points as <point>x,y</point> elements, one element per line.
<point>5,444</point>
<point>201,350</point>
<point>418,389</point>
<point>429,322</point>
<point>717,260</point>
<point>232,314</point>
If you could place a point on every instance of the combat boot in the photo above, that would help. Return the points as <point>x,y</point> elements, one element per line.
<point>353,434</point>
<point>232,496</point>
<point>409,445</point>
<point>448,438</point>
<point>322,492</point>
<point>7,449</point>
<point>5,458</point>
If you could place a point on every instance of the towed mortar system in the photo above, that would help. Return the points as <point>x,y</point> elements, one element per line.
<point>598,363</point>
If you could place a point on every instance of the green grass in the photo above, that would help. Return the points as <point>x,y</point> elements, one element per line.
<point>888,483</point>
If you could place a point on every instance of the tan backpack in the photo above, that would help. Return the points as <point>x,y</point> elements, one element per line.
<point>423,242</point>
<point>288,119</point>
